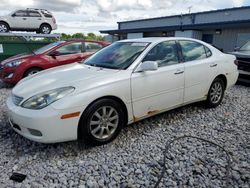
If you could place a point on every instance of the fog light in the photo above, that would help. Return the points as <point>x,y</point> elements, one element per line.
<point>10,75</point>
<point>35,132</point>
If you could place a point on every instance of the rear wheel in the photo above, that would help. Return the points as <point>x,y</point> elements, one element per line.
<point>4,28</point>
<point>216,93</point>
<point>45,29</point>
<point>32,71</point>
<point>101,122</point>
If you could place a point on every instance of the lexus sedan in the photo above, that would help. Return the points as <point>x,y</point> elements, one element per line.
<point>123,83</point>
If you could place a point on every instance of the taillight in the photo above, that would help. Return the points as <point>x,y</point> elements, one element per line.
<point>236,62</point>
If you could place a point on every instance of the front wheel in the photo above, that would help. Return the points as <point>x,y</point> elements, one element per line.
<point>101,122</point>
<point>216,93</point>
<point>32,71</point>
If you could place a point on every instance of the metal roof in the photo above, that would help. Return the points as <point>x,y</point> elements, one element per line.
<point>214,24</point>
<point>195,13</point>
<point>217,25</point>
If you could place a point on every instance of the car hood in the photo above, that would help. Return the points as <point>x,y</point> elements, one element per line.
<point>242,54</point>
<point>77,75</point>
<point>16,57</point>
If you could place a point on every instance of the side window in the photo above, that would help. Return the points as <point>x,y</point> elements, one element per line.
<point>47,14</point>
<point>20,13</point>
<point>34,13</point>
<point>164,53</point>
<point>208,51</point>
<point>92,47</point>
<point>72,48</point>
<point>192,50</point>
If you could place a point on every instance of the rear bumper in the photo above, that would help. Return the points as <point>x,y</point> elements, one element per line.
<point>53,26</point>
<point>232,78</point>
<point>45,125</point>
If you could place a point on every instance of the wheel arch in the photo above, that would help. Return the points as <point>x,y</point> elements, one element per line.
<point>29,68</point>
<point>45,23</point>
<point>112,97</point>
<point>223,78</point>
<point>2,21</point>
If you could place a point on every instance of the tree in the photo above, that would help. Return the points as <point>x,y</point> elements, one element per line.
<point>89,36</point>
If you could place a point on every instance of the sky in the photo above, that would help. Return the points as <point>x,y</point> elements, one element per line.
<point>86,16</point>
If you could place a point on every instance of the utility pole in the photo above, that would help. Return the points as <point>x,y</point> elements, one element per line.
<point>189,9</point>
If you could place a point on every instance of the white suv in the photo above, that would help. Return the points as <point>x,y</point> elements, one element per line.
<point>39,20</point>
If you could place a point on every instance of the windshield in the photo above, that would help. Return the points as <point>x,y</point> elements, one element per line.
<point>47,47</point>
<point>245,47</point>
<point>119,55</point>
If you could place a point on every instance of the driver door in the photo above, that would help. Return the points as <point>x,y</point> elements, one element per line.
<point>69,53</point>
<point>162,89</point>
<point>19,19</point>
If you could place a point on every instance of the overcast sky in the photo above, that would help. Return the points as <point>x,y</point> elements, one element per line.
<point>94,15</point>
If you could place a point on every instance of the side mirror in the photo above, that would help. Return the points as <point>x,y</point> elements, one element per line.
<point>54,54</point>
<point>236,48</point>
<point>147,66</point>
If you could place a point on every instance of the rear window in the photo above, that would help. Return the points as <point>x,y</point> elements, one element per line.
<point>47,14</point>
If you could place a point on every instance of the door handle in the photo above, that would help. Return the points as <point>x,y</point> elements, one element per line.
<point>39,19</point>
<point>179,72</point>
<point>213,65</point>
<point>24,18</point>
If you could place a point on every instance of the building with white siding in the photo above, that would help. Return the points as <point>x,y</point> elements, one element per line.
<point>225,28</point>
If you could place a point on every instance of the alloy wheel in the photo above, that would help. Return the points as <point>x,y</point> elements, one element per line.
<point>216,92</point>
<point>32,72</point>
<point>45,30</point>
<point>104,122</point>
<point>3,28</point>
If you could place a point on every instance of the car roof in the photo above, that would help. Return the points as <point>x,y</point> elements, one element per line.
<point>157,39</point>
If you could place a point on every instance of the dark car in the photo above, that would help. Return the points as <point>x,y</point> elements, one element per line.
<point>243,57</point>
<point>13,69</point>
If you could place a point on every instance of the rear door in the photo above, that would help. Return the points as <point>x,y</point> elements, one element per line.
<point>200,69</point>
<point>91,48</point>
<point>34,19</point>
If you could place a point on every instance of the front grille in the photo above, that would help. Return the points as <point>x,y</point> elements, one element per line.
<point>16,99</point>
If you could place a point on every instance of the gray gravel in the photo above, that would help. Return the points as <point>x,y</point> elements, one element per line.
<point>134,159</point>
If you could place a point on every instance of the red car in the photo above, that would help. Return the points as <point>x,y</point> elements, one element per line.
<point>13,69</point>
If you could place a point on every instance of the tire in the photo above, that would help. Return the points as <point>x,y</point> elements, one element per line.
<point>31,71</point>
<point>4,28</point>
<point>216,93</point>
<point>45,29</point>
<point>95,133</point>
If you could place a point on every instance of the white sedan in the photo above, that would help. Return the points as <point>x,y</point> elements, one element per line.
<point>123,83</point>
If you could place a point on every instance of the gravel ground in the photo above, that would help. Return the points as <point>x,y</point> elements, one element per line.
<point>135,158</point>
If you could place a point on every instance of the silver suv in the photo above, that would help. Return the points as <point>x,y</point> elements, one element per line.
<point>39,20</point>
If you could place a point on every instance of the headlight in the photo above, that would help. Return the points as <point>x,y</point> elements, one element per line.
<point>14,63</point>
<point>46,98</point>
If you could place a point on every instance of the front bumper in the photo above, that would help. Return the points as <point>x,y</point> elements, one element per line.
<point>5,73</point>
<point>45,125</point>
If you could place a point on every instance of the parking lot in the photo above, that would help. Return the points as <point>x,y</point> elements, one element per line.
<point>135,158</point>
